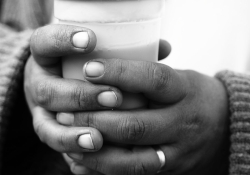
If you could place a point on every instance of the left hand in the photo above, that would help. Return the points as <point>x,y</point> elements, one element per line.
<point>188,118</point>
<point>47,92</point>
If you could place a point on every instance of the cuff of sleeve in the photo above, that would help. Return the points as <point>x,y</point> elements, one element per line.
<point>238,88</point>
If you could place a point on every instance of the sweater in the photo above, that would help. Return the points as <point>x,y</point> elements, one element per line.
<point>238,88</point>
<point>17,139</point>
<point>19,146</point>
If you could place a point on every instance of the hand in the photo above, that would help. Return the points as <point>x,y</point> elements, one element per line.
<point>77,168</point>
<point>47,92</point>
<point>188,118</point>
<point>43,80</point>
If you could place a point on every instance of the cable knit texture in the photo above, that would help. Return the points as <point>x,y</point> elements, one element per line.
<point>14,51</point>
<point>238,87</point>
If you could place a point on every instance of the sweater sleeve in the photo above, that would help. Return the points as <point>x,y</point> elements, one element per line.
<point>26,14</point>
<point>238,88</point>
<point>14,51</point>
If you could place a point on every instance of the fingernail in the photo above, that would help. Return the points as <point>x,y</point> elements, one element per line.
<point>65,118</point>
<point>76,156</point>
<point>85,141</point>
<point>93,69</point>
<point>107,99</point>
<point>81,40</point>
<point>79,169</point>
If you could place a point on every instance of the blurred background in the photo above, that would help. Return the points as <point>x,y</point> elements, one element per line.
<point>208,35</point>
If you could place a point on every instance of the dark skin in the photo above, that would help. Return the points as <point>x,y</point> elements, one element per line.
<point>187,115</point>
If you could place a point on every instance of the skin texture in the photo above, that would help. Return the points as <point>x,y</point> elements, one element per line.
<point>187,115</point>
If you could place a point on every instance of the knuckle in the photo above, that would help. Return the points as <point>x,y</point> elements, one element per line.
<point>80,98</point>
<point>95,164</point>
<point>59,37</point>
<point>44,94</point>
<point>161,77</point>
<point>137,169</point>
<point>192,125</point>
<point>121,68</point>
<point>84,121</point>
<point>61,143</point>
<point>132,129</point>
<point>51,37</point>
<point>90,120</point>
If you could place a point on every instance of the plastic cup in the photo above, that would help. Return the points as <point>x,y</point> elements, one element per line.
<point>125,29</point>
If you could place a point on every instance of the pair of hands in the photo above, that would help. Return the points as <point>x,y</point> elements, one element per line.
<point>187,115</point>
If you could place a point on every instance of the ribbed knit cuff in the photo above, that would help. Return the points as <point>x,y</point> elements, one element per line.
<point>238,88</point>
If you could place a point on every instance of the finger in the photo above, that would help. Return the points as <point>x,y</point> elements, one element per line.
<point>78,169</point>
<point>136,160</point>
<point>164,49</point>
<point>53,41</point>
<point>67,159</point>
<point>57,94</point>
<point>141,127</point>
<point>156,81</point>
<point>117,160</point>
<point>64,139</point>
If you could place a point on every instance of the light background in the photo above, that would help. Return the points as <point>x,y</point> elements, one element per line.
<point>208,35</point>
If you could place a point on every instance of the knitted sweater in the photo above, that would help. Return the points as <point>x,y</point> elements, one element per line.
<point>21,152</point>
<point>238,88</point>
<point>17,139</point>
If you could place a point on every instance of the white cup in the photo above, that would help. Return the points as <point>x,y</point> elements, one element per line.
<point>125,29</point>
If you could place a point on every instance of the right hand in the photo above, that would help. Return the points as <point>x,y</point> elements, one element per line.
<point>187,117</point>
